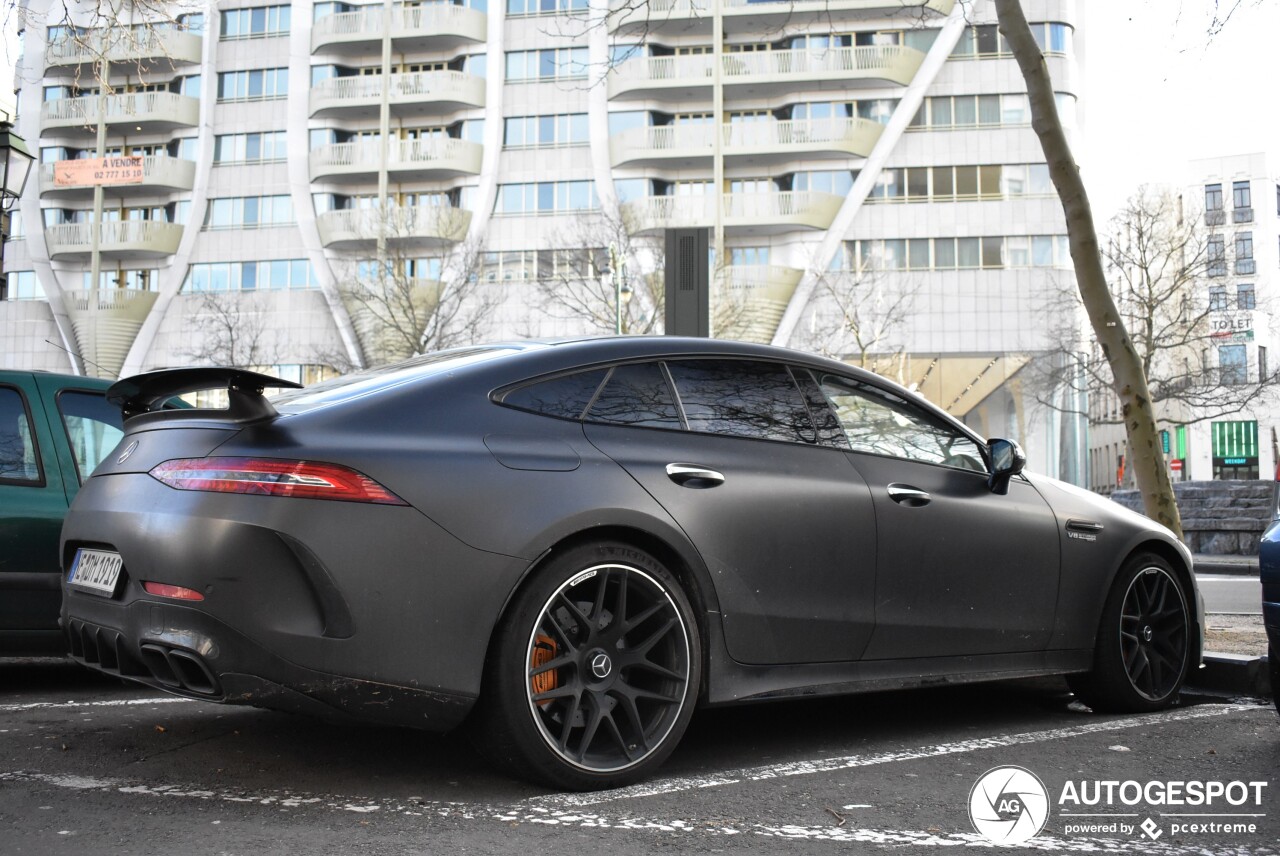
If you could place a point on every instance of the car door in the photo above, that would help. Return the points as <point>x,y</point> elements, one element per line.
<point>960,570</point>
<point>784,525</point>
<point>32,505</point>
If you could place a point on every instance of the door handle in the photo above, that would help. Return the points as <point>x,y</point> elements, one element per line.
<point>909,496</point>
<point>692,475</point>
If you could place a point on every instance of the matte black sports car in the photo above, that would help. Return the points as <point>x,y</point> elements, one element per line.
<point>577,543</point>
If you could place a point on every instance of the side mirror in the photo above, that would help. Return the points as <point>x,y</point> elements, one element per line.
<point>1007,460</point>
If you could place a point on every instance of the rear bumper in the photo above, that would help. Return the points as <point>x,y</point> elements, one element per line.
<point>185,652</point>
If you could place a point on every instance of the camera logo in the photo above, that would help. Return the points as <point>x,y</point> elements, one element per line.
<point>1008,805</point>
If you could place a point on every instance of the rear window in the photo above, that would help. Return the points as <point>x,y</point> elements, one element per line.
<point>18,460</point>
<point>566,396</point>
<point>359,384</point>
<point>638,395</point>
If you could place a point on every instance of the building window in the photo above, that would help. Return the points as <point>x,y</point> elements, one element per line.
<point>522,8</point>
<point>136,280</point>
<point>565,129</point>
<point>1233,365</point>
<point>1244,253</point>
<point>1213,215</point>
<point>250,148</point>
<point>989,253</point>
<point>961,183</point>
<point>985,40</point>
<point>277,275</point>
<point>544,265</point>
<point>1246,297</point>
<point>249,212</point>
<point>546,197</point>
<point>1218,298</point>
<point>547,64</point>
<point>22,285</point>
<point>255,85</point>
<point>1242,201</point>
<point>258,22</point>
<point>1235,449</point>
<point>1216,255</point>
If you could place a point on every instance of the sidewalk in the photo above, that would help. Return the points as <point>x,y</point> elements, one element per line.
<point>1213,564</point>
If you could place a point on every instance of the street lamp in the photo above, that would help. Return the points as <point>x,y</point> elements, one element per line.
<point>15,166</point>
<point>621,288</point>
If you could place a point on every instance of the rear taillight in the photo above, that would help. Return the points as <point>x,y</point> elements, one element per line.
<point>273,477</point>
<point>175,592</point>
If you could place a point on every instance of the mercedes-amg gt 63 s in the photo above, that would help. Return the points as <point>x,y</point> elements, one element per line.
<point>572,545</point>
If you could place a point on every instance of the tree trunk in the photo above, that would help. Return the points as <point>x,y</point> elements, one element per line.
<point>1148,464</point>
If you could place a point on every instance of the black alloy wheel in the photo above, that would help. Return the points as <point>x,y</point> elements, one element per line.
<point>1143,649</point>
<point>607,662</point>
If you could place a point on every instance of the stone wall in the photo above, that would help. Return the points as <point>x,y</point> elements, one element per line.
<point>1221,518</point>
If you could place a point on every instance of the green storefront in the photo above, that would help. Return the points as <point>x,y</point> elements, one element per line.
<point>1235,450</point>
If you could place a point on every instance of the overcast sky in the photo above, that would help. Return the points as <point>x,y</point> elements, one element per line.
<point>1159,92</point>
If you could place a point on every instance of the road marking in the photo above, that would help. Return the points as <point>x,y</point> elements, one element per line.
<point>582,820</point>
<point>846,762</point>
<point>58,705</point>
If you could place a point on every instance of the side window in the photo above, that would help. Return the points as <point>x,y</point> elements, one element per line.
<point>19,463</point>
<point>566,396</point>
<point>881,423</point>
<point>830,433</point>
<point>93,428</point>
<point>636,394</point>
<point>742,398</point>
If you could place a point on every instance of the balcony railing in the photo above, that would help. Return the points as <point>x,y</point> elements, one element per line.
<point>1215,217</point>
<point>106,321</point>
<point>413,93</point>
<point>431,26</point>
<point>753,213</point>
<point>836,137</point>
<point>126,47</point>
<point>159,173</point>
<point>686,76</point>
<point>119,239</point>
<point>420,225</point>
<point>442,157</point>
<point>1242,215</point>
<point>146,111</point>
<point>691,16</point>
<point>1246,266</point>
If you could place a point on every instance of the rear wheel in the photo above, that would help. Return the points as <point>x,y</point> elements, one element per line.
<point>1143,648</point>
<point>594,673</point>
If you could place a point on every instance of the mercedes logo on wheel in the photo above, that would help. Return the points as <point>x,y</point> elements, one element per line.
<point>601,665</point>
<point>1008,805</point>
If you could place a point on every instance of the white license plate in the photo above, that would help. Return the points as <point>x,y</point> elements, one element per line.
<point>96,571</point>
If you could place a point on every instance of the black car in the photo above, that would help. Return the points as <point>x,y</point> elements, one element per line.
<point>575,544</point>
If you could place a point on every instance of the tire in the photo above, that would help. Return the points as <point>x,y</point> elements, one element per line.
<point>594,672</point>
<point>1275,677</point>
<point>1143,649</point>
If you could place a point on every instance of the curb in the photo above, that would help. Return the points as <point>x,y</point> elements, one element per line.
<point>1248,567</point>
<point>1238,674</point>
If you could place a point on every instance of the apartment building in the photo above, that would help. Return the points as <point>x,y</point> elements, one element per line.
<point>1227,429</point>
<point>866,170</point>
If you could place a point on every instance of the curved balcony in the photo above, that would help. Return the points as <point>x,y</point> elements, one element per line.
<point>691,145</point>
<point>410,226</point>
<point>764,73</point>
<point>408,160</point>
<point>745,214</point>
<point>690,17</point>
<point>106,321</point>
<point>752,299</point>
<point>148,239</point>
<point>420,93</point>
<point>139,112</point>
<point>431,27</point>
<point>160,174</point>
<point>122,46</point>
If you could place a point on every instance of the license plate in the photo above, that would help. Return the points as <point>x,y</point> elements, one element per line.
<point>96,571</point>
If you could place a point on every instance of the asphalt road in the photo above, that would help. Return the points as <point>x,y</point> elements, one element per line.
<point>93,766</point>
<point>1231,594</point>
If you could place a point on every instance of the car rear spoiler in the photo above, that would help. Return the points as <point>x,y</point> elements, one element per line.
<point>147,393</point>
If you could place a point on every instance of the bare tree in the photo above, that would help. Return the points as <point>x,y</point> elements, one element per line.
<point>231,329</point>
<point>861,319</point>
<point>403,304</point>
<point>1117,346</point>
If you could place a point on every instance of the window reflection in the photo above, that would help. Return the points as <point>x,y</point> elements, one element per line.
<point>742,398</point>
<point>637,395</point>
<point>881,423</point>
<point>566,396</point>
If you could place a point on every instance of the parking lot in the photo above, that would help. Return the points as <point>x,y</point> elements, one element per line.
<point>91,765</point>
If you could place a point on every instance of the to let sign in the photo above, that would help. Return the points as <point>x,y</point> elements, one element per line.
<point>95,171</point>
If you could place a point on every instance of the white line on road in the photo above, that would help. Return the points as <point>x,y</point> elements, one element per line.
<point>829,765</point>
<point>46,705</point>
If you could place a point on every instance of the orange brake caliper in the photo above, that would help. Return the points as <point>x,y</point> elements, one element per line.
<point>544,651</point>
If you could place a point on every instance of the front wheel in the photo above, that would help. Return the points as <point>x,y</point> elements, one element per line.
<point>1143,648</point>
<point>594,673</point>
